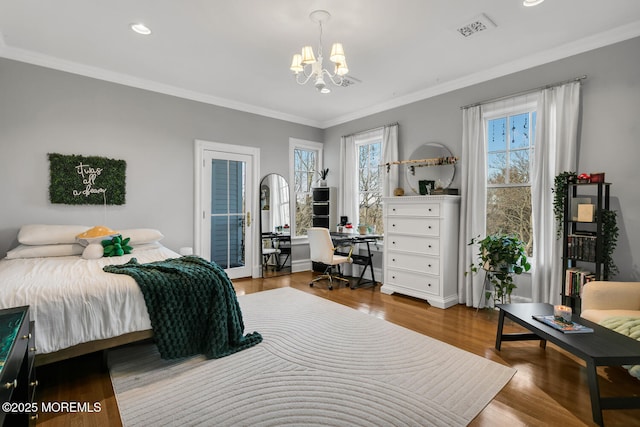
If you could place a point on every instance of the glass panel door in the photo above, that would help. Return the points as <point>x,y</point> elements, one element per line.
<point>227,213</point>
<point>227,219</point>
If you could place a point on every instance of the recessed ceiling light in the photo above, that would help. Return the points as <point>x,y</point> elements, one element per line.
<point>530,3</point>
<point>140,28</point>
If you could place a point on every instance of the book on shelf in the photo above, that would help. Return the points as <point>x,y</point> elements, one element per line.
<point>582,246</point>
<point>562,325</point>
<point>575,279</point>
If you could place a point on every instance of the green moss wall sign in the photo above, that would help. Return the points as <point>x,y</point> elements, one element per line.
<point>92,180</point>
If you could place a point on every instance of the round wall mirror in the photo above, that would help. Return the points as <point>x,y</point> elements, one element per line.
<point>423,177</point>
<point>274,224</point>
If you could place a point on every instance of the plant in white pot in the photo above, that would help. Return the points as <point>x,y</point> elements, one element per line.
<point>323,177</point>
<point>501,256</point>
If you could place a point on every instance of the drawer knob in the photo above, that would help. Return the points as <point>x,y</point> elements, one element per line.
<point>429,284</point>
<point>429,265</point>
<point>33,383</point>
<point>429,245</point>
<point>393,277</point>
<point>27,337</point>
<point>13,384</point>
<point>393,225</point>
<point>393,259</point>
<point>34,417</point>
<point>33,349</point>
<point>393,243</point>
<point>429,227</point>
<point>429,209</point>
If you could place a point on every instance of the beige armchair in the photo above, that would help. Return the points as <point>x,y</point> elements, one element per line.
<point>608,299</point>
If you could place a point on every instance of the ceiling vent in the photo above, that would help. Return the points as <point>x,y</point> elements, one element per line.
<point>349,81</point>
<point>480,23</point>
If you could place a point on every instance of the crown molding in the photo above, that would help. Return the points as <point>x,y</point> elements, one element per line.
<point>563,51</point>
<point>128,80</point>
<point>560,52</point>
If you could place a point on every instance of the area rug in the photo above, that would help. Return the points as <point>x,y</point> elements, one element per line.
<point>320,363</point>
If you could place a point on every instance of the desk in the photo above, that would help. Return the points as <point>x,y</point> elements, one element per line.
<point>339,239</point>
<point>280,245</point>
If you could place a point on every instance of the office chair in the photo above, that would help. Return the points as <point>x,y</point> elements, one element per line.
<point>323,251</point>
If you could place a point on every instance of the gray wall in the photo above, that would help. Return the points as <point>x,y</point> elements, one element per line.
<point>43,111</point>
<point>609,139</point>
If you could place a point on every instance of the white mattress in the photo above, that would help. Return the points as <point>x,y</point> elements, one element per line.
<point>73,301</point>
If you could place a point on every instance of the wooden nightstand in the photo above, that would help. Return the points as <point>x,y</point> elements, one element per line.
<point>17,373</point>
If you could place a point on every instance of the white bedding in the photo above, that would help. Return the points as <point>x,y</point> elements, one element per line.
<point>73,301</point>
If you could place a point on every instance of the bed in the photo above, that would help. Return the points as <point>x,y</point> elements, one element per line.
<point>77,307</point>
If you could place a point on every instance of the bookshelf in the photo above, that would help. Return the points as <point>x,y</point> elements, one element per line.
<point>582,255</point>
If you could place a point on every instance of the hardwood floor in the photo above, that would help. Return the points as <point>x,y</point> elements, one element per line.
<point>549,389</point>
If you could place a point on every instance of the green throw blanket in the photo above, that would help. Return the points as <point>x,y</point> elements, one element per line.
<point>192,306</point>
<point>629,326</point>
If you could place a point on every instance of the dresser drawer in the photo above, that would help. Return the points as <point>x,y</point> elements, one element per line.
<point>419,226</point>
<point>424,209</point>
<point>415,262</point>
<point>410,280</point>
<point>421,245</point>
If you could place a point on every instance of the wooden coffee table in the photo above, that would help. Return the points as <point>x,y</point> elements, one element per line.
<point>603,347</point>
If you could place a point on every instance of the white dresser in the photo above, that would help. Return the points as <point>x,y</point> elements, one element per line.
<point>421,248</point>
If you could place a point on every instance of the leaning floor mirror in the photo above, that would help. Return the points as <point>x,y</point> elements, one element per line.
<point>274,224</point>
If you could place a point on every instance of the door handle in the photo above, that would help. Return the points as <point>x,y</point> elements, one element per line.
<point>248,219</point>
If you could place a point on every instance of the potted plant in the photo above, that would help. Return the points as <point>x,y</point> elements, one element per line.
<point>501,256</point>
<point>323,177</point>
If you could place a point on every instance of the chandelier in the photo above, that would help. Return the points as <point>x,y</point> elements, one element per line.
<point>306,67</point>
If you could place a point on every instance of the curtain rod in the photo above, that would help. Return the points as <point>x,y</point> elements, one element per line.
<point>371,130</point>
<point>525,92</point>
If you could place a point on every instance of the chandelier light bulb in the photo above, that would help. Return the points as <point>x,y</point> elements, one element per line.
<point>296,64</point>
<point>307,55</point>
<point>341,68</point>
<point>337,53</point>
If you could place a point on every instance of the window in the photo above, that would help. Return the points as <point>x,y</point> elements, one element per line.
<point>305,158</point>
<point>510,141</point>
<point>369,179</point>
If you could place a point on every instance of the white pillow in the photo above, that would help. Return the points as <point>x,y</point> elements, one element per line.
<point>35,251</point>
<point>93,251</point>
<point>43,234</point>
<point>146,246</point>
<point>140,236</point>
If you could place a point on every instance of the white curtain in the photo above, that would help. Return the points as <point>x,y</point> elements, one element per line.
<point>555,152</point>
<point>348,197</point>
<point>472,204</point>
<point>390,154</point>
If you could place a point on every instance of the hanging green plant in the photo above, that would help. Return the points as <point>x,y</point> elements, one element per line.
<point>559,195</point>
<point>610,233</point>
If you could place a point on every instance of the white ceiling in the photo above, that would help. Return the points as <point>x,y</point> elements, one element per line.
<point>236,53</point>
